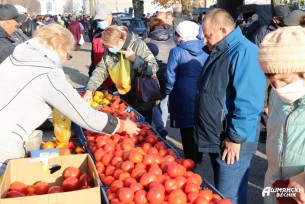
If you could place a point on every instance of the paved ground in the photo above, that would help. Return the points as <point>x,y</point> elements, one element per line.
<point>76,71</point>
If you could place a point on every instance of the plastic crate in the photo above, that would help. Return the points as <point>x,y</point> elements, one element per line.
<point>103,195</point>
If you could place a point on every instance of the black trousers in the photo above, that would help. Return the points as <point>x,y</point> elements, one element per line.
<point>147,115</point>
<point>190,149</point>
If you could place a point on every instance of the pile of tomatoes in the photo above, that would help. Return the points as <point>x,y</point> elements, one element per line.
<point>116,106</point>
<point>141,169</point>
<point>74,180</point>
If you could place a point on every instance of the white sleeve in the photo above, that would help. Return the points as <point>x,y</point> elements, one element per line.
<point>58,93</point>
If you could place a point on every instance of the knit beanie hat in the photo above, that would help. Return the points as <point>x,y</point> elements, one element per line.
<point>188,30</point>
<point>283,51</point>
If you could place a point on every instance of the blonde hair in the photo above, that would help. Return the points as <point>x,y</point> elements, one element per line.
<point>112,35</point>
<point>55,36</point>
<point>220,18</point>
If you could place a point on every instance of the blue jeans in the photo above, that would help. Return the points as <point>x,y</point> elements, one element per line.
<point>232,180</point>
<point>160,114</point>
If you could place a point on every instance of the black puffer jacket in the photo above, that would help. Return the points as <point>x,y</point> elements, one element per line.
<point>6,47</point>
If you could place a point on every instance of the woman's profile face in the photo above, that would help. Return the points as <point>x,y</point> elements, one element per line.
<point>281,80</point>
<point>65,55</point>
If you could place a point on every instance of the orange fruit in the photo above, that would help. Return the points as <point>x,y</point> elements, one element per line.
<point>48,145</point>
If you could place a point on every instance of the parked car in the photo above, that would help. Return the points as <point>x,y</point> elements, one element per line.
<point>121,14</point>
<point>197,11</point>
<point>135,25</point>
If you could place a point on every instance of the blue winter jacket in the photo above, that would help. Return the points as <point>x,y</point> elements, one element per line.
<point>230,95</point>
<point>184,65</point>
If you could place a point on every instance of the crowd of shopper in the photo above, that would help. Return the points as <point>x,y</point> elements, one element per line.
<point>213,89</point>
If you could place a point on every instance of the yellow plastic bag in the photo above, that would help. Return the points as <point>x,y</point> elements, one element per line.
<point>120,75</point>
<point>62,128</point>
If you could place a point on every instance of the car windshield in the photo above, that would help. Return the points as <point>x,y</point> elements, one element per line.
<point>131,23</point>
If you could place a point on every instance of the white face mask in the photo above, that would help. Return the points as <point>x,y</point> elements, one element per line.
<point>291,92</point>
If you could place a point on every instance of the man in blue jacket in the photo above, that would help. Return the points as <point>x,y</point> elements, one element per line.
<point>229,101</point>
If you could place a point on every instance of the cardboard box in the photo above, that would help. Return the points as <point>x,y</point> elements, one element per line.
<point>29,173</point>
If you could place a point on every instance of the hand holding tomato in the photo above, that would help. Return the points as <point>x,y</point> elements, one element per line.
<point>230,152</point>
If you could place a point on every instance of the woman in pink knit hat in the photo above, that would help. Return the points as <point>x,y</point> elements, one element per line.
<point>282,58</point>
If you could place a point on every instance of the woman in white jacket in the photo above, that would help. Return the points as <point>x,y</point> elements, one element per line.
<point>32,82</point>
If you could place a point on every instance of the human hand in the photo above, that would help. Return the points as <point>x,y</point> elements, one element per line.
<point>88,96</point>
<point>129,54</point>
<point>231,151</point>
<point>129,127</point>
<point>298,182</point>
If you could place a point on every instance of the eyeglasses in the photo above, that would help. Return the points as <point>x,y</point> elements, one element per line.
<point>69,56</point>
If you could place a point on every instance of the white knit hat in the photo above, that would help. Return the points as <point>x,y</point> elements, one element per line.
<point>188,30</point>
<point>283,51</point>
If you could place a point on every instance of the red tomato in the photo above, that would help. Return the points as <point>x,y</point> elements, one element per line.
<point>136,186</point>
<point>152,139</point>
<point>191,187</point>
<point>31,190</point>
<point>177,197</point>
<point>174,170</point>
<point>216,198</point>
<point>192,196</point>
<point>19,186</point>
<point>129,181</point>
<point>140,165</point>
<point>127,166</point>
<point>148,159</point>
<point>100,169</point>
<point>109,170</point>
<point>71,184</point>
<point>137,173</point>
<point>106,159</point>
<point>207,194</point>
<point>135,157</point>
<point>171,185</point>
<point>181,181</point>
<point>126,195</point>
<point>145,146</point>
<point>140,197</point>
<point>126,147</point>
<point>14,194</point>
<point>116,185</point>
<point>72,172</point>
<point>155,195</point>
<point>188,174</point>
<point>188,164</point>
<point>147,178</point>
<point>170,158</point>
<point>162,152</point>
<point>86,180</point>
<point>152,150</point>
<point>41,188</point>
<point>124,176</point>
<point>141,139</point>
<point>116,159</point>
<point>109,147</point>
<point>98,154</point>
<point>156,184</point>
<point>111,196</point>
<point>155,170</point>
<point>55,189</point>
<point>195,178</point>
<point>201,200</point>
<point>117,173</point>
<point>101,141</point>
<point>108,180</point>
<point>225,201</point>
